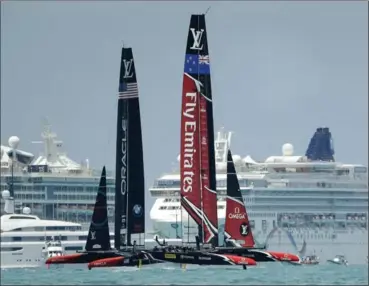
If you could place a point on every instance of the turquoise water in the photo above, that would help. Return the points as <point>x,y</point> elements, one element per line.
<point>172,274</point>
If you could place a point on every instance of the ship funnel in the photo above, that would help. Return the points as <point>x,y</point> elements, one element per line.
<point>321,146</point>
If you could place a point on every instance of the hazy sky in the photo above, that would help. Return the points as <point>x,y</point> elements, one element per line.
<point>279,71</point>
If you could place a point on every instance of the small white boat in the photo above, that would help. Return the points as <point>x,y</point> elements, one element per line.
<point>338,259</point>
<point>52,248</point>
<point>310,260</point>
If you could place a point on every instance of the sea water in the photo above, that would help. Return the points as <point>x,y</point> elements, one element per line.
<point>173,274</point>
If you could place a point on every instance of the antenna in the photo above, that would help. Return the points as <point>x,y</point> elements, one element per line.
<point>46,124</point>
<point>207,10</point>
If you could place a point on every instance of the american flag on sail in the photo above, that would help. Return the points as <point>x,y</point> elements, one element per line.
<point>204,59</point>
<point>128,90</point>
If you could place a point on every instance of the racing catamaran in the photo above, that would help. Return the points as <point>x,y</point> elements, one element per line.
<point>128,157</point>
<point>129,178</point>
<point>238,235</point>
<point>197,160</point>
<point>98,239</point>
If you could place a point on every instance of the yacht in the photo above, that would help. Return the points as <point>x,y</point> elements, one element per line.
<point>296,203</point>
<point>338,259</point>
<point>27,240</point>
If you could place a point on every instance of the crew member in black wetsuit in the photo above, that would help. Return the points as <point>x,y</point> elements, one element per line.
<point>134,246</point>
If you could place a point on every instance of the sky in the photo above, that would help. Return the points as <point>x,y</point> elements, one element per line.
<point>279,70</point>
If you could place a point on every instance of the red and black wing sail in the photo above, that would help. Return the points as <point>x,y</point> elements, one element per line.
<point>237,228</point>
<point>198,182</point>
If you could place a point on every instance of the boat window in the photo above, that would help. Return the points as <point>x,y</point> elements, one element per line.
<point>21,217</point>
<point>243,182</point>
<point>73,228</point>
<point>17,238</point>
<point>264,224</point>
<point>73,248</point>
<point>55,228</point>
<point>220,184</point>
<point>11,249</point>
<point>82,237</point>
<point>360,170</point>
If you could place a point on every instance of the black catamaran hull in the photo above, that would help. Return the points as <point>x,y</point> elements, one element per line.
<point>201,258</point>
<point>82,257</point>
<point>125,260</point>
<point>146,257</point>
<point>259,255</point>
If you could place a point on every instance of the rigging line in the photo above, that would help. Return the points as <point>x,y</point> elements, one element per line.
<point>110,132</point>
<point>207,10</point>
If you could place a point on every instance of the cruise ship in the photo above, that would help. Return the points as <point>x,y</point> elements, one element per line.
<point>292,200</point>
<point>52,185</point>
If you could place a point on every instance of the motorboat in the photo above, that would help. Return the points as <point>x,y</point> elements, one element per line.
<point>338,259</point>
